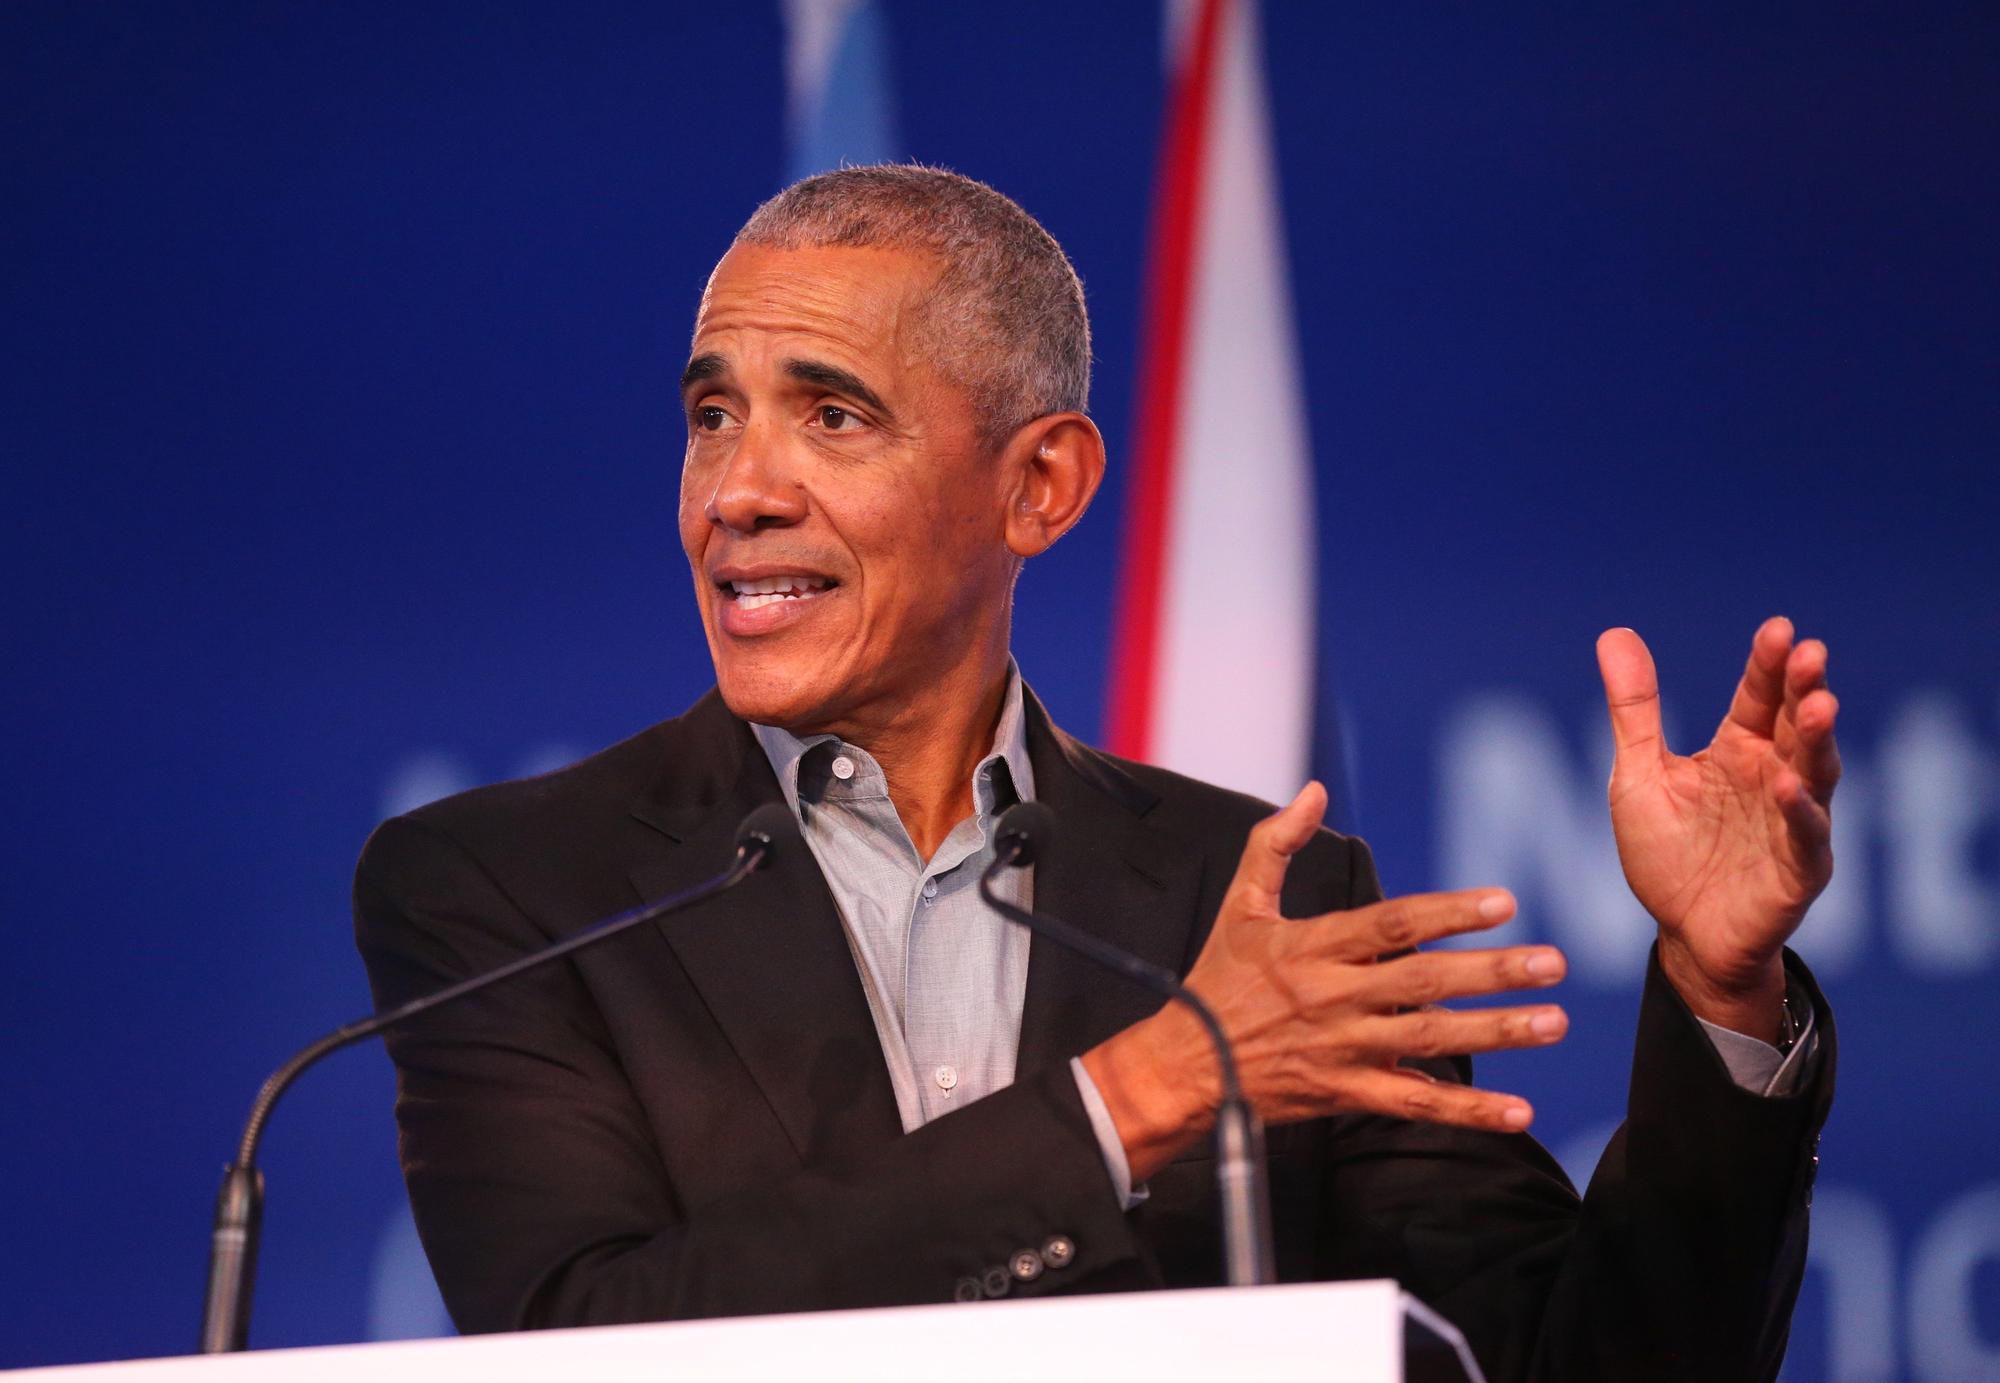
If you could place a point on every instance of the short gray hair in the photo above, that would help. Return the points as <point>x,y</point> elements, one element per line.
<point>1006,318</point>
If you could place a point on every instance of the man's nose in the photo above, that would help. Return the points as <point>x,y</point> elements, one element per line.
<point>757,488</point>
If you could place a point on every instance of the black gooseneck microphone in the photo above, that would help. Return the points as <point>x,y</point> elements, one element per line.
<point>232,1260</point>
<point>1021,834</point>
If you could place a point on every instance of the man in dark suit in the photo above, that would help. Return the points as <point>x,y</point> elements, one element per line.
<point>842,1084</point>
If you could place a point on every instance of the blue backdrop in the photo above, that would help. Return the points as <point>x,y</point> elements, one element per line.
<point>340,460</point>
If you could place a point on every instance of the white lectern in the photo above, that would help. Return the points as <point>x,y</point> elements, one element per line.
<point>1337,1332</point>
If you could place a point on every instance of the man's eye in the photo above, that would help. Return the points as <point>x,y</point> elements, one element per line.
<point>710,419</point>
<point>835,419</point>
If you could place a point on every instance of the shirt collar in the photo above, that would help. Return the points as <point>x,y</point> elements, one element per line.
<point>1002,778</point>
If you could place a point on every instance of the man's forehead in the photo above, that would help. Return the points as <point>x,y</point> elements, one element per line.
<point>862,294</point>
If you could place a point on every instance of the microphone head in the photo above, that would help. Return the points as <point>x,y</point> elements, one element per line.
<point>1025,829</point>
<point>766,830</point>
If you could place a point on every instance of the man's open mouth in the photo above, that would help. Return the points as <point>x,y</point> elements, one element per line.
<point>769,590</point>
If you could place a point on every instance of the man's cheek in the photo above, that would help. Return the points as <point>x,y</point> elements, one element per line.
<point>693,527</point>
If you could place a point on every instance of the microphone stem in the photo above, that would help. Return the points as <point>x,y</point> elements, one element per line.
<point>1239,1135</point>
<point>1246,1201</point>
<point>232,1262</point>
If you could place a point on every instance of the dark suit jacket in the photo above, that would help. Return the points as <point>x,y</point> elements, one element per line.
<point>695,1119</point>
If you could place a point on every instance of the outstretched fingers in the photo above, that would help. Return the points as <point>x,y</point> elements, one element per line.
<point>1406,1094</point>
<point>1399,924</point>
<point>1452,1032</point>
<point>1810,712</point>
<point>1432,977</point>
<point>1818,759</point>
<point>1447,1032</point>
<point>1760,695</point>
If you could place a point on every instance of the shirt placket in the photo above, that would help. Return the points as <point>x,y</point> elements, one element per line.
<point>937,1067</point>
<point>930,967</point>
<point>853,785</point>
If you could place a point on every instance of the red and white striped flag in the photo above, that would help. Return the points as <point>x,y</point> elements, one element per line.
<point>1213,651</point>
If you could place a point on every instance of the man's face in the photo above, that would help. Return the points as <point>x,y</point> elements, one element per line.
<point>844,528</point>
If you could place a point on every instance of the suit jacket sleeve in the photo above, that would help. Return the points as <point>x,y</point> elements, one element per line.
<point>542,1202</point>
<point>1682,1259</point>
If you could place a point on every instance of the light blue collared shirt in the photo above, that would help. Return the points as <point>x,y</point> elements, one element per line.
<point>945,976</point>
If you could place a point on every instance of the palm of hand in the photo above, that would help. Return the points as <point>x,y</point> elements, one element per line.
<point>1728,847</point>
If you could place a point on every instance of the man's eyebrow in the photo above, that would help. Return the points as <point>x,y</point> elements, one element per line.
<point>701,369</point>
<point>839,381</point>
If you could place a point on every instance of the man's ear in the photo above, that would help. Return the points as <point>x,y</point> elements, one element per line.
<point>1056,463</point>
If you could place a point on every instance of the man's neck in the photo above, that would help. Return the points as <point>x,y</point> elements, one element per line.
<point>929,750</point>
<point>930,766</point>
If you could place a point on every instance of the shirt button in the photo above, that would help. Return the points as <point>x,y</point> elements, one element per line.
<point>930,888</point>
<point>947,1077</point>
<point>843,768</point>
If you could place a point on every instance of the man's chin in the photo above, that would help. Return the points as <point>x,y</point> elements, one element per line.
<point>768,696</point>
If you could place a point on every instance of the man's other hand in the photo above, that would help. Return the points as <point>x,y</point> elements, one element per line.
<point>1728,847</point>
<point>1321,1009</point>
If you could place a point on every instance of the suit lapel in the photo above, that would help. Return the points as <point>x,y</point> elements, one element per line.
<point>770,957</point>
<point>1107,871</point>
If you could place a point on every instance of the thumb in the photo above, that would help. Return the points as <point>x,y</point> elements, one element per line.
<point>1632,693</point>
<point>1260,875</point>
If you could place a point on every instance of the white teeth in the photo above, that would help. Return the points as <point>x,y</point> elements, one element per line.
<point>771,589</point>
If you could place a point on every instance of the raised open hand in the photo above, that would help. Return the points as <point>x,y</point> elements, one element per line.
<point>1726,848</point>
